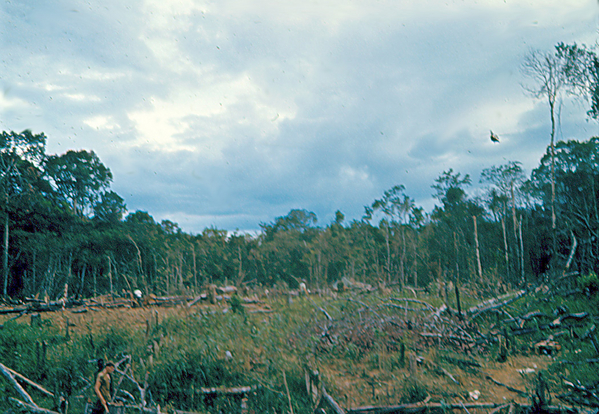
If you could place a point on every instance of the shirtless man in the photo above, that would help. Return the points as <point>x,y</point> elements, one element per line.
<point>102,389</point>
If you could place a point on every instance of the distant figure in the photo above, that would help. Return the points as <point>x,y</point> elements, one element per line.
<point>102,389</point>
<point>138,295</point>
<point>494,137</point>
<point>302,289</point>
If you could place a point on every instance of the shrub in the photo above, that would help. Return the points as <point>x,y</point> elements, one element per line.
<point>414,391</point>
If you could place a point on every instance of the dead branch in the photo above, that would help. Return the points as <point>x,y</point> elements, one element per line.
<point>586,393</point>
<point>576,316</point>
<point>203,296</point>
<point>332,403</point>
<point>31,408</point>
<point>512,389</point>
<point>449,375</point>
<point>287,389</point>
<point>521,319</point>
<point>17,386</point>
<point>320,308</point>
<point>118,385</point>
<point>229,390</point>
<point>495,303</point>
<point>426,305</point>
<point>28,381</point>
<point>498,409</point>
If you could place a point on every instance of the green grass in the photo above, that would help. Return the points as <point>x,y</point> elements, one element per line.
<point>361,355</point>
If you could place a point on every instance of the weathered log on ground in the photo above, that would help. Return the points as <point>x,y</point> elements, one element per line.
<point>43,307</point>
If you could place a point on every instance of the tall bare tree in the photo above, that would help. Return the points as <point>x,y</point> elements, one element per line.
<point>547,71</point>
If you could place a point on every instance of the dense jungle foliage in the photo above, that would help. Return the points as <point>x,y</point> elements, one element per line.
<point>63,225</point>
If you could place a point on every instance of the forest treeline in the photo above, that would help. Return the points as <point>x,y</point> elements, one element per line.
<point>63,225</point>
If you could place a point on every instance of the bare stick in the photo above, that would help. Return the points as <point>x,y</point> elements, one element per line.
<point>512,389</point>
<point>332,403</point>
<point>28,381</point>
<point>32,408</point>
<point>17,386</point>
<point>287,389</point>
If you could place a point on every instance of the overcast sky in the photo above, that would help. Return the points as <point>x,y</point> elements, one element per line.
<point>229,113</point>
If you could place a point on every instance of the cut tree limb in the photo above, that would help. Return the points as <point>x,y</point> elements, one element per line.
<point>495,303</point>
<point>31,408</point>
<point>332,403</point>
<point>512,389</point>
<point>28,381</point>
<point>17,386</point>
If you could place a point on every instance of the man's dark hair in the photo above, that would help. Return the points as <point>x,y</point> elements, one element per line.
<point>110,364</point>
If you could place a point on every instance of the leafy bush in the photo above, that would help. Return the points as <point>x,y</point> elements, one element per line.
<point>236,304</point>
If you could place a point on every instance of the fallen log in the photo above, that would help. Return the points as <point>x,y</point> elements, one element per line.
<point>495,303</point>
<point>203,296</point>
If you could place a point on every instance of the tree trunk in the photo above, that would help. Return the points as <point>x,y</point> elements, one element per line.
<point>515,222</point>
<point>521,252</point>
<point>180,271</point>
<point>82,288</point>
<point>388,256</point>
<point>552,109</point>
<point>480,268</point>
<point>195,270</point>
<point>33,272</point>
<point>457,277</point>
<point>403,257</point>
<point>5,256</point>
<point>507,256</point>
<point>415,264</point>
<point>110,276</point>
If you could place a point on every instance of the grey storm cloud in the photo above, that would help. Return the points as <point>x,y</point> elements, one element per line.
<point>231,113</point>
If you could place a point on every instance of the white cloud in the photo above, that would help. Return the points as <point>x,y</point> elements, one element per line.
<point>101,122</point>
<point>231,112</point>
